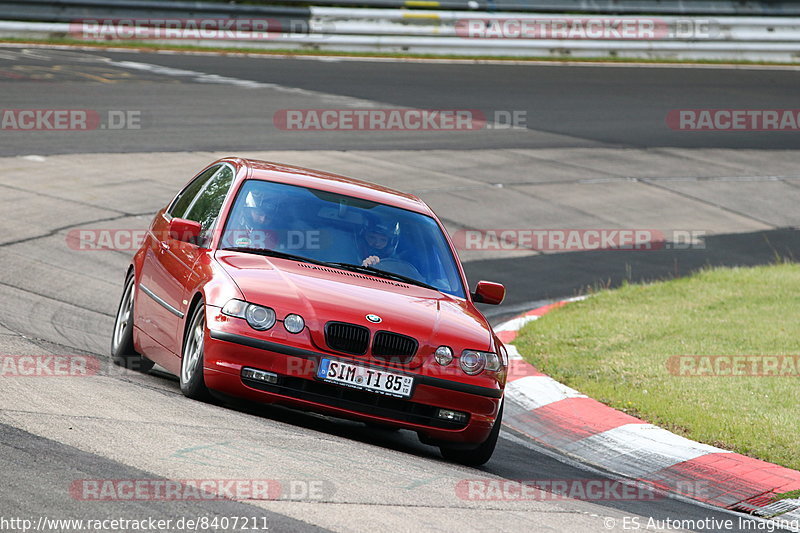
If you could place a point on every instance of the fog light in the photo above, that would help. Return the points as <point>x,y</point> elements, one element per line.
<point>259,375</point>
<point>294,323</point>
<point>443,355</point>
<point>453,416</point>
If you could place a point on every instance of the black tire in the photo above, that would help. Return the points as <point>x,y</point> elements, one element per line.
<point>123,352</point>
<point>193,384</point>
<point>476,456</point>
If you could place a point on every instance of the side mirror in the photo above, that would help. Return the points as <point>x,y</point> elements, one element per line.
<point>184,230</point>
<point>489,292</point>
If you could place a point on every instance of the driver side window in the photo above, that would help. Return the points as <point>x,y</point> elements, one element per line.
<point>181,204</point>
<point>206,205</point>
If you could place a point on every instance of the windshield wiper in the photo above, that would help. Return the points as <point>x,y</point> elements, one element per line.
<point>382,274</point>
<point>274,253</point>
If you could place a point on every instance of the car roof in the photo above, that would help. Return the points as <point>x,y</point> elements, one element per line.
<point>329,182</point>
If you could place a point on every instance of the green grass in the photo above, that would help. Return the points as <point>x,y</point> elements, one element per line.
<point>615,346</point>
<point>221,48</point>
<point>794,494</point>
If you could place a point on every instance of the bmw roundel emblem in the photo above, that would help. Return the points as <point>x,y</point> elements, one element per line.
<point>375,319</point>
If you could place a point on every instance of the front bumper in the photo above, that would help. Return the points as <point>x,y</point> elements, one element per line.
<point>227,352</point>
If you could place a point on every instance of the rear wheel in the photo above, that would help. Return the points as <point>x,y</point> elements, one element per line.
<point>193,384</point>
<point>481,454</point>
<point>122,349</point>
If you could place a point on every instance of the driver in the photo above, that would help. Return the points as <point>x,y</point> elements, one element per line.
<point>257,218</point>
<point>379,240</point>
<point>255,222</point>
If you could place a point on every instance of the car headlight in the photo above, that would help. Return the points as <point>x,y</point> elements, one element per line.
<point>294,323</point>
<point>259,317</point>
<point>473,362</point>
<point>443,355</point>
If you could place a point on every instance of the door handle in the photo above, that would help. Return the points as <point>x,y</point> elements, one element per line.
<point>164,246</point>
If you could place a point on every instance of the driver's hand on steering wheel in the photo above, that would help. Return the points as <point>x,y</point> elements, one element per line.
<point>371,260</point>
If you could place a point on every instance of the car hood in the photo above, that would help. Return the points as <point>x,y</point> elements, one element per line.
<point>321,294</point>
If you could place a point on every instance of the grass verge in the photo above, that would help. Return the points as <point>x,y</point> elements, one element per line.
<point>794,495</point>
<point>616,347</point>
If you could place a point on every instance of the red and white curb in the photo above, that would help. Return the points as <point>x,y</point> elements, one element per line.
<point>575,425</point>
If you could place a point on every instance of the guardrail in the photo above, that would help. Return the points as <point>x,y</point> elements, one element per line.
<point>468,33</point>
<point>457,24</point>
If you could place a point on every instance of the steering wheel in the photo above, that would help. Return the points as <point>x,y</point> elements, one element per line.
<point>399,266</point>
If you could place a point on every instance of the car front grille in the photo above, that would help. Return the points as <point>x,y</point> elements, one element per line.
<point>394,347</point>
<point>347,338</point>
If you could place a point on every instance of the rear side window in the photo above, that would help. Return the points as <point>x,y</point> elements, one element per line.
<point>181,204</point>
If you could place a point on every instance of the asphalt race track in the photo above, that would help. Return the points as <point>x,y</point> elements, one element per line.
<point>593,152</point>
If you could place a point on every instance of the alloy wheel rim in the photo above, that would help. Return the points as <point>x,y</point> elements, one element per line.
<point>193,350</point>
<point>123,315</point>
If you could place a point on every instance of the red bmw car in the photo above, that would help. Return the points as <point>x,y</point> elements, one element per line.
<point>280,284</point>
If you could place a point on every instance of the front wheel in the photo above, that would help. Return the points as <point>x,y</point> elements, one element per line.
<point>476,456</point>
<point>193,384</point>
<point>123,352</point>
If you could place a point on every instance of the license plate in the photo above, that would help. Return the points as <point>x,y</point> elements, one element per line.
<point>363,378</point>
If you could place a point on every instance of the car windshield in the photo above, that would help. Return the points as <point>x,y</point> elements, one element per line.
<point>342,231</point>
